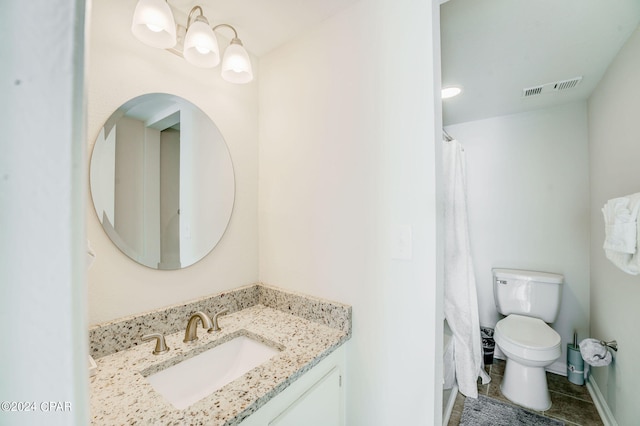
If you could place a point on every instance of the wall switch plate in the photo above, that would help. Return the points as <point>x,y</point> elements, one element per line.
<point>402,242</point>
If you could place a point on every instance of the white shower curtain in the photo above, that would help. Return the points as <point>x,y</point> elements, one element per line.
<point>460,297</point>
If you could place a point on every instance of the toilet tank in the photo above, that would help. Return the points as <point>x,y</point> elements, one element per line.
<point>530,293</point>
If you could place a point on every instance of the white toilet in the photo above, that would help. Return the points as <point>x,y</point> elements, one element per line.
<point>530,300</point>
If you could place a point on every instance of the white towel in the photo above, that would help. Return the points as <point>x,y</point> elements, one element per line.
<point>594,353</point>
<point>622,232</point>
<point>620,225</point>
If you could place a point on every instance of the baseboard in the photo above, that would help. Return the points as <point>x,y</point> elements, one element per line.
<point>601,404</point>
<point>450,403</point>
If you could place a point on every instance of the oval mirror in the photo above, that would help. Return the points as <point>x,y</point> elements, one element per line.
<point>162,181</point>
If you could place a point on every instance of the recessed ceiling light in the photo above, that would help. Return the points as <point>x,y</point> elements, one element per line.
<point>451,91</point>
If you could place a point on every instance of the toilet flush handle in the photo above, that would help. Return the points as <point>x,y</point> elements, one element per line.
<point>503,282</point>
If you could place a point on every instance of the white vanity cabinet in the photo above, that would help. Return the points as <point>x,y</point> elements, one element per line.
<point>314,399</point>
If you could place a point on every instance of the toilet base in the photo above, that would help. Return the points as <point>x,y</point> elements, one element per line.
<point>526,386</point>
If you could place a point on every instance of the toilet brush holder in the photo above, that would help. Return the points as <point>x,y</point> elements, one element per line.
<point>575,365</point>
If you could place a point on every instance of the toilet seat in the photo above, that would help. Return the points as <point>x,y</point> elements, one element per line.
<point>528,338</point>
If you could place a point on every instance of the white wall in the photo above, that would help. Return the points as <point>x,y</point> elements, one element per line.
<point>528,203</point>
<point>347,155</point>
<point>614,129</point>
<point>121,68</point>
<point>130,182</point>
<point>42,249</point>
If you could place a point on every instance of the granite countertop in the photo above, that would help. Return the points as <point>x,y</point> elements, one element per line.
<point>121,395</point>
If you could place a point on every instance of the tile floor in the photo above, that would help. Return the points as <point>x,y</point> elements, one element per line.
<point>570,403</point>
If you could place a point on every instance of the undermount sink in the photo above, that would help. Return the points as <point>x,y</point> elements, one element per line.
<point>197,377</point>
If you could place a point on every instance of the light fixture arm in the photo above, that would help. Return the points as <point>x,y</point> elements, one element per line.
<point>235,33</point>
<point>200,16</point>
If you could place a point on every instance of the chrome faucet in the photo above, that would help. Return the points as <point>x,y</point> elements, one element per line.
<point>191,334</point>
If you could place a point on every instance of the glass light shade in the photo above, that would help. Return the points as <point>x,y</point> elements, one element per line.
<point>236,65</point>
<point>153,24</point>
<point>201,46</point>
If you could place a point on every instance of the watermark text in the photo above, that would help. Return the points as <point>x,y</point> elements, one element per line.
<point>40,406</point>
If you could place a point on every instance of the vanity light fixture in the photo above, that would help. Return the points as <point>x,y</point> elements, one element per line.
<point>200,43</point>
<point>154,25</point>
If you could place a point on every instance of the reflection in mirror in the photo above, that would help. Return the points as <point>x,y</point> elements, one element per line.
<point>162,181</point>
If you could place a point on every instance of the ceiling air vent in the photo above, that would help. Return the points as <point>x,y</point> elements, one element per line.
<point>532,91</point>
<point>551,87</point>
<point>568,84</point>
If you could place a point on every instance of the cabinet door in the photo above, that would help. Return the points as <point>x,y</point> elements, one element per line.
<point>320,405</point>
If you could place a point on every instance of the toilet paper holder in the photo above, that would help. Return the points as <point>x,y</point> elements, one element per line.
<point>612,344</point>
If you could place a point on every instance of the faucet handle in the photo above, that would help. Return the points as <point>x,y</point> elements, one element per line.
<point>161,345</point>
<point>216,326</point>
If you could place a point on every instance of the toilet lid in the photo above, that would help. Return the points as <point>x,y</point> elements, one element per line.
<point>530,333</point>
